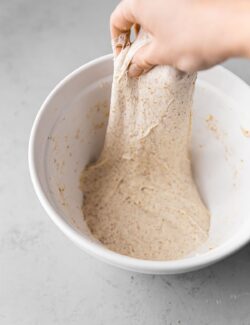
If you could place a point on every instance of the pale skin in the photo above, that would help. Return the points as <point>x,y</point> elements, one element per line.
<point>190,35</point>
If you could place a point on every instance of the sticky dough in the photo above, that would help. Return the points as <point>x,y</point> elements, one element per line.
<point>140,198</point>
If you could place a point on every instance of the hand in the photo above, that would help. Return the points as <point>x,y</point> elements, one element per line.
<point>188,34</point>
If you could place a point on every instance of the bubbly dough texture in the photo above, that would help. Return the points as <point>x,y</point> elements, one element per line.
<point>140,199</point>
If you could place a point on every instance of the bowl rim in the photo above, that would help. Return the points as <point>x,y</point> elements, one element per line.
<point>95,249</point>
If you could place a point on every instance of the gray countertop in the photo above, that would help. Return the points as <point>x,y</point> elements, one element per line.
<point>44,278</point>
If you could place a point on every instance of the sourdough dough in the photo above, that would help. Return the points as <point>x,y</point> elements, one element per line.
<point>139,197</point>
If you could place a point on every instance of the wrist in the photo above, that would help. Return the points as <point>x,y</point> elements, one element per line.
<point>245,42</point>
<point>231,25</point>
<point>239,28</point>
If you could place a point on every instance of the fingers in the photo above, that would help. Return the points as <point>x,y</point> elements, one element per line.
<point>144,60</point>
<point>154,54</point>
<point>121,22</point>
<point>187,64</point>
<point>193,63</point>
<point>120,42</point>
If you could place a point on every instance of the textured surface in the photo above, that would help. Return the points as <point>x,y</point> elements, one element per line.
<point>44,278</point>
<point>140,199</point>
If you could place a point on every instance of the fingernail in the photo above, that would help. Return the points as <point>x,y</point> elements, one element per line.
<point>134,70</point>
<point>117,51</point>
<point>119,43</point>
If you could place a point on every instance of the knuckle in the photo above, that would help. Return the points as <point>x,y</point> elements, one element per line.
<point>115,14</point>
<point>187,64</point>
<point>112,18</point>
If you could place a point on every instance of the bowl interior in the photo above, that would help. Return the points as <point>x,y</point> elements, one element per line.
<point>70,133</point>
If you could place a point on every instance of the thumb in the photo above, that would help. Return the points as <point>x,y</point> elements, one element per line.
<point>144,60</point>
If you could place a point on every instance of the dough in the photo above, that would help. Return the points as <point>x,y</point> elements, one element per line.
<point>140,199</point>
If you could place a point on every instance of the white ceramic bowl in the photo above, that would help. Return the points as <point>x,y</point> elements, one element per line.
<point>69,131</point>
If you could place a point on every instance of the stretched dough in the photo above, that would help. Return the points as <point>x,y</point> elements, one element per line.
<point>139,197</point>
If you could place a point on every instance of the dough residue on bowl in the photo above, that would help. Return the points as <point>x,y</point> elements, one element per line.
<point>140,198</point>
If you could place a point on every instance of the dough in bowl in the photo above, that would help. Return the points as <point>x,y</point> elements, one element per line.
<point>140,198</point>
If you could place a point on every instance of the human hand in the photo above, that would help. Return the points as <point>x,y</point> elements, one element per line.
<point>190,35</point>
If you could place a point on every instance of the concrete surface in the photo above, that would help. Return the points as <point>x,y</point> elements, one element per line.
<point>44,278</point>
